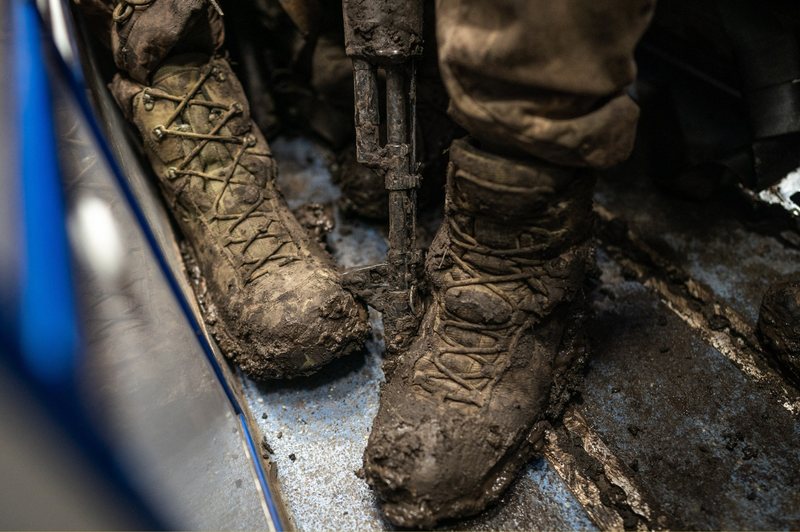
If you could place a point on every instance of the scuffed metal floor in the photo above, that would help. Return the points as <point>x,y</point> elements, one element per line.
<point>680,424</point>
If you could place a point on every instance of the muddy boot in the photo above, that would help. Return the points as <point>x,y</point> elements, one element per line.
<point>277,307</point>
<point>500,345</point>
<point>364,193</point>
<point>779,326</point>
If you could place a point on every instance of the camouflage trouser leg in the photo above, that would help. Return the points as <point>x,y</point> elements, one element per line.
<point>544,76</point>
<point>142,33</point>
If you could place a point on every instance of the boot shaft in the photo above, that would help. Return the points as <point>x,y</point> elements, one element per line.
<point>528,207</point>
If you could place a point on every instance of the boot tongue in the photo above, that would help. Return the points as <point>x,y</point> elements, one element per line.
<point>477,304</point>
<point>178,62</point>
<point>495,235</point>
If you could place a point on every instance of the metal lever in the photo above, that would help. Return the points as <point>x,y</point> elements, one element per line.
<point>391,286</point>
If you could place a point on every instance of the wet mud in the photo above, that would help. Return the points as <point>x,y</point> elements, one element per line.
<point>315,218</point>
<point>611,495</point>
<point>779,326</point>
<point>739,472</point>
<point>734,247</point>
<point>717,449</point>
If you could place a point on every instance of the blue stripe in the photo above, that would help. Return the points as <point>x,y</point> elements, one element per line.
<point>48,332</point>
<point>260,474</point>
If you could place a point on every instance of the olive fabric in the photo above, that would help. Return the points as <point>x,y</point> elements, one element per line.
<point>544,76</point>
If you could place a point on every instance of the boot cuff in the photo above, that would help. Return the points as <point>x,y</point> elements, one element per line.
<point>521,192</point>
<point>502,171</point>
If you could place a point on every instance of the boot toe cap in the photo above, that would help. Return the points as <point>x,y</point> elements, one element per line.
<point>431,459</point>
<point>428,471</point>
<point>296,330</point>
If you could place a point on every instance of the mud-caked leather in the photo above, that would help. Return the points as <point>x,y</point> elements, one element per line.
<point>500,346</point>
<point>275,301</point>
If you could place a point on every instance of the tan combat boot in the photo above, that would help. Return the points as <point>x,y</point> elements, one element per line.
<point>277,306</point>
<point>500,347</point>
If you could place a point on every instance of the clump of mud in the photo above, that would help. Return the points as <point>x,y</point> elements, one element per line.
<point>779,325</point>
<point>317,219</point>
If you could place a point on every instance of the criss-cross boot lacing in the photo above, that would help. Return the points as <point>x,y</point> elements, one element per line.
<point>472,355</point>
<point>242,212</point>
<point>531,257</point>
<point>276,304</point>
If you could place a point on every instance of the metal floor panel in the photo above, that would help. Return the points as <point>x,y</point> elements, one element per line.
<point>714,448</point>
<point>708,240</point>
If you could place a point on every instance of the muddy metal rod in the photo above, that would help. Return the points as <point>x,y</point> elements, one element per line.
<point>380,34</point>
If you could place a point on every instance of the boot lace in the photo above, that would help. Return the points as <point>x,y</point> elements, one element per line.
<point>445,374</point>
<point>283,249</point>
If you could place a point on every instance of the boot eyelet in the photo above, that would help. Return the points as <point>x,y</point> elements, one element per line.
<point>148,100</point>
<point>158,133</point>
<point>218,74</point>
